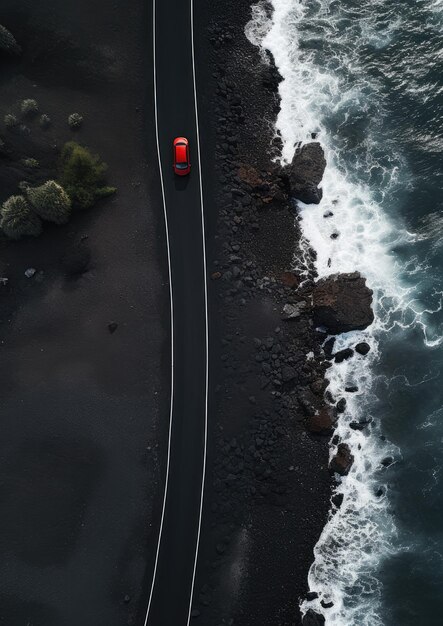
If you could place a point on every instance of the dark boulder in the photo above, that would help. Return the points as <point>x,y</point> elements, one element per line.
<point>311,618</point>
<point>305,173</point>
<point>362,348</point>
<point>76,259</point>
<point>322,422</point>
<point>342,302</point>
<point>342,461</point>
<point>342,355</point>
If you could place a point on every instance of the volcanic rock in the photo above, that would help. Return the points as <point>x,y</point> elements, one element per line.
<point>342,355</point>
<point>322,422</point>
<point>342,461</point>
<point>362,348</point>
<point>311,618</point>
<point>289,279</point>
<point>305,172</point>
<point>292,311</point>
<point>342,302</point>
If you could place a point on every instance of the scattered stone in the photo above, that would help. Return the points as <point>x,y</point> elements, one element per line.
<point>112,327</point>
<point>127,599</point>
<point>311,618</point>
<point>362,348</point>
<point>292,311</point>
<point>327,214</point>
<point>216,275</point>
<point>305,173</point>
<point>341,405</point>
<point>342,461</point>
<point>311,595</point>
<point>30,272</point>
<point>322,422</point>
<point>4,281</point>
<point>343,355</point>
<point>342,302</point>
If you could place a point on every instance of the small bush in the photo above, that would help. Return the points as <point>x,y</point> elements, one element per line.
<point>82,174</point>
<point>45,121</point>
<point>8,42</point>
<point>50,202</point>
<point>23,186</point>
<point>30,162</point>
<point>17,220</point>
<point>75,120</point>
<point>29,107</point>
<point>10,120</point>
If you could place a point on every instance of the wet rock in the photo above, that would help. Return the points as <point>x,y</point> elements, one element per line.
<point>337,500</point>
<point>342,355</point>
<point>322,422</point>
<point>387,461</point>
<point>342,461</point>
<point>305,173</point>
<point>311,618</point>
<point>359,425</point>
<point>342,302</point>
<point>362,348</point>
<point>351,388</point>
<point>341,405</point>
<point>311,595</point>
<point>327,605</point>
<point>328,346</point>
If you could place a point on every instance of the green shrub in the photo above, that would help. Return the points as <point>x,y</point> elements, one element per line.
<point>50,201</point>
<point>29,107</point>
<point>75,120</point>
<point>17,219</point>
<point>45,121</point>
<point>8,42</point>
<point>23,186</point>
<point>82,174</point>
<point>10,120</point>
<point>30,162</point>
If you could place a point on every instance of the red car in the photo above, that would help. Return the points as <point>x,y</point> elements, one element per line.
<point>182,165</point>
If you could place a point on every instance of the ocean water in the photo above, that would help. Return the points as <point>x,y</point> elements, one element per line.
<point>366,77</point>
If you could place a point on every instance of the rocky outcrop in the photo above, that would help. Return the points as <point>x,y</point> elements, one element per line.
<point>305,173</point>
<point>342,461</point>
<point>311,618</point>
<point>342,302</point>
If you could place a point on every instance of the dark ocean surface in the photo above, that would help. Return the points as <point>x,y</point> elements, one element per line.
<point>367,77</point>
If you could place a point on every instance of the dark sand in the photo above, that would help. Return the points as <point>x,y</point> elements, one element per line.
<point>84,411</point>
<point>268,484</point>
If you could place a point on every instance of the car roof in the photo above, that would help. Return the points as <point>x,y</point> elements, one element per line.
<point>181,153</point>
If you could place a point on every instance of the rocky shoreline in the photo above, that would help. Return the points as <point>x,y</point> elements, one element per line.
<point>269,481</point>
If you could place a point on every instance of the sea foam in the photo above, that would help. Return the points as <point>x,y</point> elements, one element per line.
<point>315,49</point>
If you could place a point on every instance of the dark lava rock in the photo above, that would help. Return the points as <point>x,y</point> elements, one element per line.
<point>359,425</point>
<point>322,422</point>
<point>326,605</point>
<point>351,388</point>
<point>362,348</point>
<point>342,355</point>
<point>341,405</point>
<point>387,461</point>
<point>311,618</point>
<point>305,173</point>
<point>337,500</point>
<point>328,346</point>
<point>342,302</point>
<point>311,595</point>
<point>342,461</point>
<point>112,327</point>
<point>76,260</point>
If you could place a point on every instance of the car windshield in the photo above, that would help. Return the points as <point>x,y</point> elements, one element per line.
<point>181,166</point>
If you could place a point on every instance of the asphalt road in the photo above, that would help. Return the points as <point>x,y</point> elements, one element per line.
<point>171,592</point>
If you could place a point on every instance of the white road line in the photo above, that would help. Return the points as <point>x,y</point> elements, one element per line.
<point>172,315</point>
<point>171,309</point>
<point>206,312</point>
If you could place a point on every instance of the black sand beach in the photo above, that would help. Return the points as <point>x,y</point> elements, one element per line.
<point>83,409</point>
